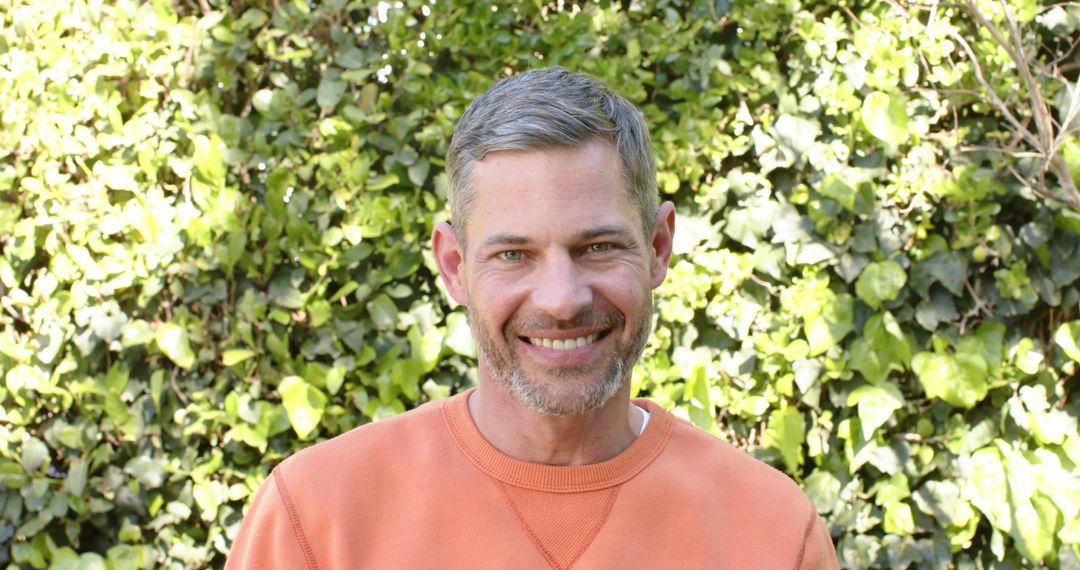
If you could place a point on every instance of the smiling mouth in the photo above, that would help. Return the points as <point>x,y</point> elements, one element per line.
<point>563,344</point>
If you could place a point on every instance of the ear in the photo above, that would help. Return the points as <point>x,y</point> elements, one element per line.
<point>450,258</point>
<point>661,242</point>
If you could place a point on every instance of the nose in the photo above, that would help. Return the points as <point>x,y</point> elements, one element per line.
<point>560,287</point>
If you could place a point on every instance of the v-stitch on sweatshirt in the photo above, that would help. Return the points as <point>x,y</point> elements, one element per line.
<point>426,490</point>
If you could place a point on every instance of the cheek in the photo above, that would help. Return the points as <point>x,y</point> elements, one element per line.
<point>495,298</point>
<point>627,288</point>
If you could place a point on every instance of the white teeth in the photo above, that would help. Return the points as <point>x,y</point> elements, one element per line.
<point>561,344</point>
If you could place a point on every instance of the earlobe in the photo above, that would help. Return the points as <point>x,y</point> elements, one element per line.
<point>450,259</point>
<point>662,242</point>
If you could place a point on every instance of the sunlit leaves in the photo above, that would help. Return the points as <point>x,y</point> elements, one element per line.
<point>881,350</point>
<point>230,357</point>
<point>876,404</point>
<point>172,339</point>
<point>828,327</point>
<point>303,403</point>
<point>885,116</point>
<point>209,160</point>
<point>1006,489</point>
<point>959,379</point>
<point>1068,338</point>
<point>880,282</point>
<point>786,434</point>
<point>214,253</point>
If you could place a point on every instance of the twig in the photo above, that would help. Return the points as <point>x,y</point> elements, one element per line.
<point>997,102</point>
<point>980,306</point>
<point>1038,103</point>
<point>176,388</point>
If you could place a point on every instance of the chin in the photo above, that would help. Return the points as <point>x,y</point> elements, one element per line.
<point>558,399</point>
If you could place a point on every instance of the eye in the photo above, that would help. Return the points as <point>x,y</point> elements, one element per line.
<point>511,255</point>
<point>599,247</point>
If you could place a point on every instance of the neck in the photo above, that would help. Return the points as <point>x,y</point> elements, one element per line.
<point>524,434</point>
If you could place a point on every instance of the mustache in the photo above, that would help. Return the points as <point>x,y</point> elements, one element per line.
<point>583,320</point>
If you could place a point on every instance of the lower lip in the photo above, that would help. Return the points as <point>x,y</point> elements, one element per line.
<point>572,357</point>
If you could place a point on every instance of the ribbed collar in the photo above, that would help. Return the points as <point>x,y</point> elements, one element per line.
<point>556,479</point>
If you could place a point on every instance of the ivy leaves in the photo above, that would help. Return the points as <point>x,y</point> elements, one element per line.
<point>959,379</point>
<point>886,117</point>
<point>1068,338</point>
<point>216,257</point>
<point>303,403</point>
<point>880,283</point>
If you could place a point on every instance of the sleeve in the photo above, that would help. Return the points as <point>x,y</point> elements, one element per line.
<point>818,550</point>
<point>271,536</point>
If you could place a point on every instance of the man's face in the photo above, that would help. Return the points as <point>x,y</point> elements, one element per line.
<point>558,276</point>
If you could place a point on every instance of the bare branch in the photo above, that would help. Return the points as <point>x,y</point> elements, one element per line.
<point>998,103</point>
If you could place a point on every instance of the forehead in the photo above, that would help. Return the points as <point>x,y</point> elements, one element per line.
<point>545,191</point>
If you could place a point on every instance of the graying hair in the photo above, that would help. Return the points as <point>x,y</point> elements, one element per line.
<point>546,109</point>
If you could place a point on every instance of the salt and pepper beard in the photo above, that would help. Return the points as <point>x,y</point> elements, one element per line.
<point>506,368</point>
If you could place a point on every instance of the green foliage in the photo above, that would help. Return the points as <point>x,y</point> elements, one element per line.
<point>216,220</point>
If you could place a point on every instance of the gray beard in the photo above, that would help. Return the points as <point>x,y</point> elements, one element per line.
<point>538,397</point>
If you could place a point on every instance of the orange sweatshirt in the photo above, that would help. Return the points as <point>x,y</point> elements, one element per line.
<point>426,490</point>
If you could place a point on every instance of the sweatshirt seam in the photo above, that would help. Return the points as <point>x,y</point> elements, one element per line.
<point>805,538</point>
<point>612,495</point>
<point>666,427</point>
<point>548,556</point>
<point>294,520</point>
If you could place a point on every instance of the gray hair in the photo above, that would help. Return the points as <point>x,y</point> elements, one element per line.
<point>545,109</point>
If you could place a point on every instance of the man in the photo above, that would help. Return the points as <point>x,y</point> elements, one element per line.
<point>556,245</point>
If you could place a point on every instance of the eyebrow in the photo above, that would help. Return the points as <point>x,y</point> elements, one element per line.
<point>618,232</point>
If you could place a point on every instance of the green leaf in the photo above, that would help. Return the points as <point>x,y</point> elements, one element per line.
<point>35,454</point>
<point>383,311</point>
<point>823,489</point>
<point>876,404</point>
<point>880,283</point>
<point>881,350</point>
<point>700,407</point>
<point>230,357</point>
<point>75,482</point>
<point>1068,338</point>
<point>304,405</point>
<point>350,57</point>
<point>827,328</point>
<point>136,333</point>
<point>886,117</point>
<point>987,342</point>
<point>834,187</point>
<point>1006,490</point>
<point>958,379</point>
<point>209,160</point>
<point>795,135</point>
<point>146,470</point>
<point>786,434</point>
<point>1035,523</point>
<point>425,347</point>
<point>898,519</point>
<point>334,379</point>
<point>942,500</point>
<point>891,490</point>
<point>172,339</point>
<point>330,92</point>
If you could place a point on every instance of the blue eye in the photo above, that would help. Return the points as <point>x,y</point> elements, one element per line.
<point>511,255</point>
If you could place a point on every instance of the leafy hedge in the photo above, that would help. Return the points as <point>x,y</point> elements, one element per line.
<point>215,230</point>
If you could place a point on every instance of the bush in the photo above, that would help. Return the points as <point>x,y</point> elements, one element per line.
<point>216,221</point>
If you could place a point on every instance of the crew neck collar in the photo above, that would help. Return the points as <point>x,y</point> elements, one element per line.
<point>553,478</point>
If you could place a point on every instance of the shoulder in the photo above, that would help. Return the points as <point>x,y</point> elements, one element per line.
<point>367,450</point>
<point>732,475</point>
<point>756,507</point>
